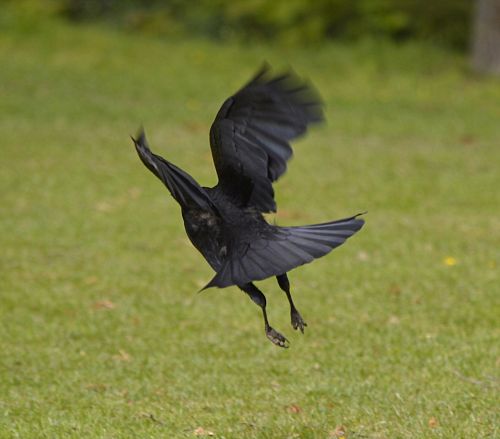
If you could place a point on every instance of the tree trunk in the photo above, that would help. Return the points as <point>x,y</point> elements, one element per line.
<point>486,37</point>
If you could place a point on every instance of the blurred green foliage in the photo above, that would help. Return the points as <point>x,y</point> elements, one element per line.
<point>290,21</point>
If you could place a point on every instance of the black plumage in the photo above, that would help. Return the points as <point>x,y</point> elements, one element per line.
<point>249,139</point>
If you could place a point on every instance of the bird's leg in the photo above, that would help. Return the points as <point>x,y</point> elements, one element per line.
<point>258,297</point>
<point>297,321</point>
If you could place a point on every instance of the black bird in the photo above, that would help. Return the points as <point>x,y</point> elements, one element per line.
<point>249,139</point>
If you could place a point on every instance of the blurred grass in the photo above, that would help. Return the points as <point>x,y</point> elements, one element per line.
<point>103,334</point>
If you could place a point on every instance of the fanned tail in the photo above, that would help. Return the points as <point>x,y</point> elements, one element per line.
<point>287,249</point>
<point>319,239</point>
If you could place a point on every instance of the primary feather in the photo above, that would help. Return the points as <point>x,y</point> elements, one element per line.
<point>251,132</point>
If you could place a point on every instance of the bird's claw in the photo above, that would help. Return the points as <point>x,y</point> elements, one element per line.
<point>297,321</point>
<point>277,338</point>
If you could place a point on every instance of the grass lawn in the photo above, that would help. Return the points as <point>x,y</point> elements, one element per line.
<point>102,333</point>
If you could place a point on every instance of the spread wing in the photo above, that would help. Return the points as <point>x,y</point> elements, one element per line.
<point>251,132</point>
<point>185,190</point>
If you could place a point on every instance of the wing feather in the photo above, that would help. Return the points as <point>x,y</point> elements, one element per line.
<point>251,132</point>
<point>185,190</point>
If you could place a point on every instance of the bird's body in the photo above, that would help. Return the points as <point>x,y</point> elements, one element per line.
<point>217,232</point>
<point>249,142</point>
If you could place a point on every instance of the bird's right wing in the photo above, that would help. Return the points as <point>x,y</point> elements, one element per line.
<point>251,132</point>
<point>288,248</point>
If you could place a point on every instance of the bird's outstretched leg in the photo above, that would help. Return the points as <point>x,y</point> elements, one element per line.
<point>297,321</point>
<point>258,297</point>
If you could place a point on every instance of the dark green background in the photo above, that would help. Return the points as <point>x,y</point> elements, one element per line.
<point>446,22</point>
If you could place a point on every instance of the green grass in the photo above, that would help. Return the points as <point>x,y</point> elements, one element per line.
<point>396,338</point>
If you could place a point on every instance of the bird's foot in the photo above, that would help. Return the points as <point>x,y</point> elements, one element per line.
<point>276,337</point>
<point>297,320</point>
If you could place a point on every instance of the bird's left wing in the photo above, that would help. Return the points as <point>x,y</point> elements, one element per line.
<point>186,191</point>
<point>251,132</point>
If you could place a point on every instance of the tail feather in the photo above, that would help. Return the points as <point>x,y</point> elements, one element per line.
<point>325,236</point>
<point>289,248</point>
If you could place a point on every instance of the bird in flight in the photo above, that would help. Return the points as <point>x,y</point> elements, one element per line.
<point>249,139</point>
